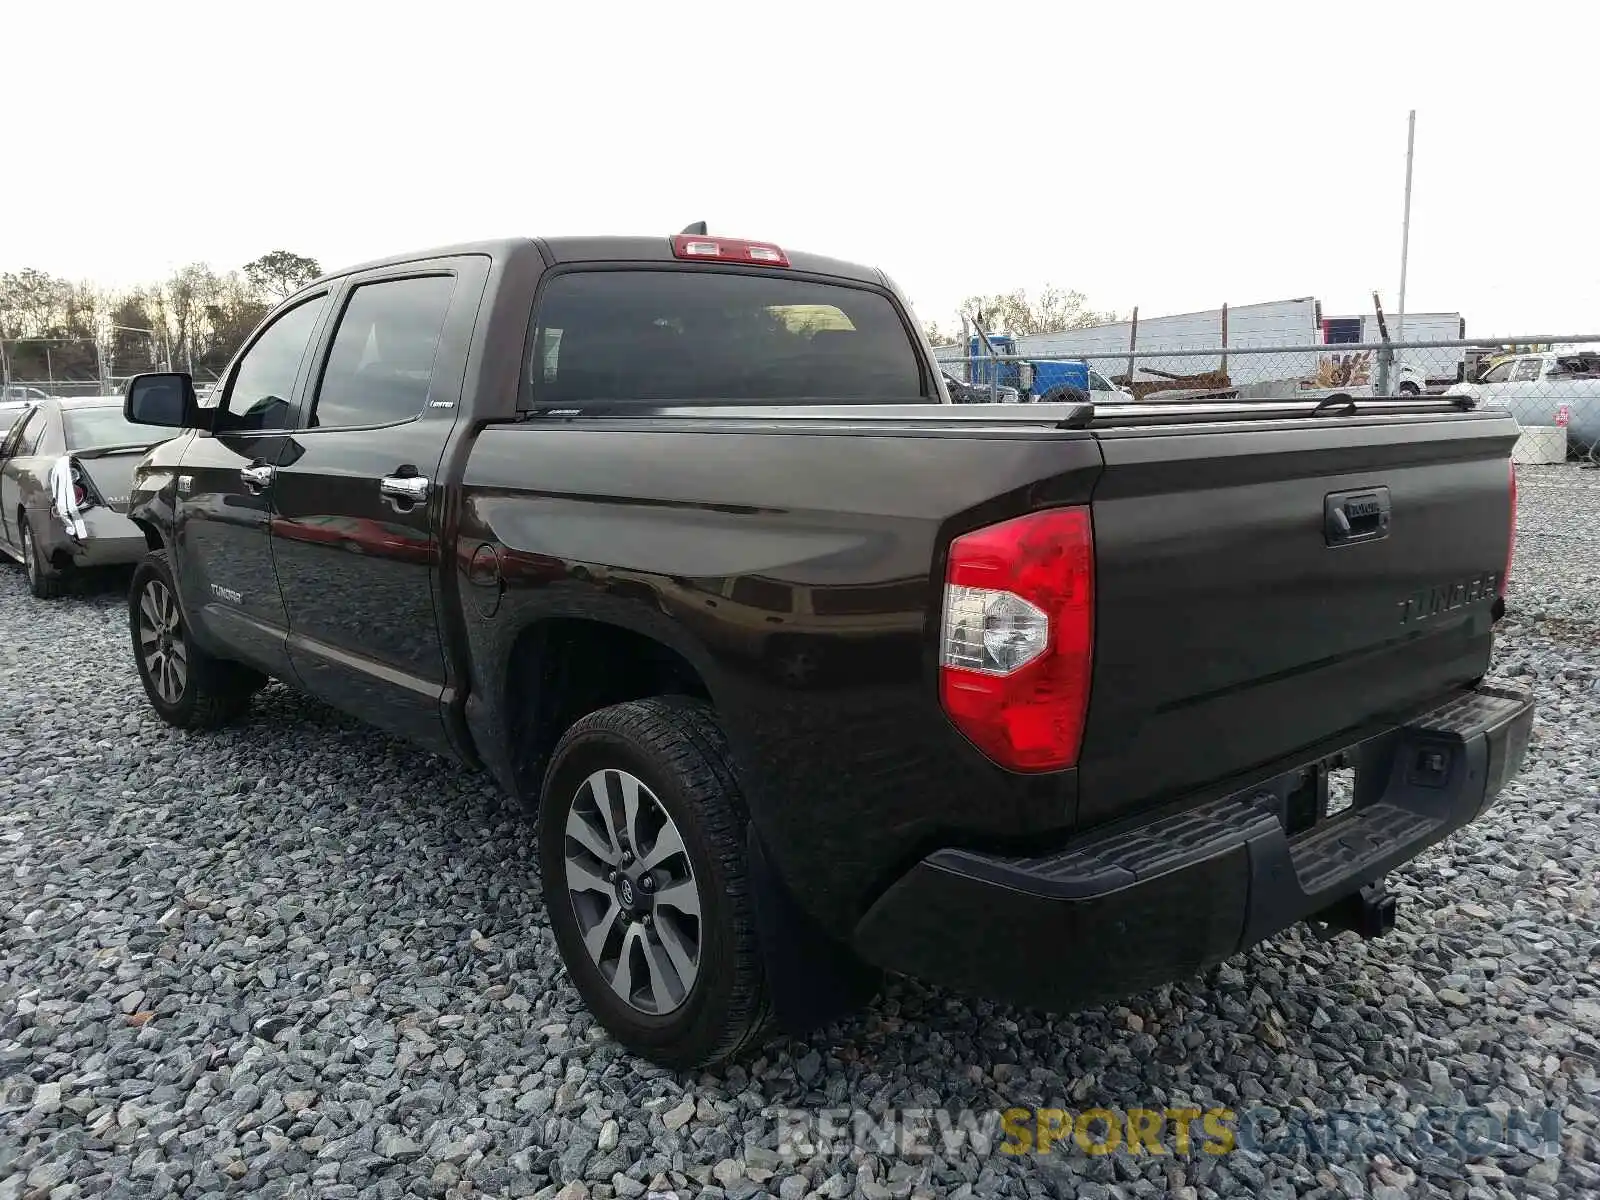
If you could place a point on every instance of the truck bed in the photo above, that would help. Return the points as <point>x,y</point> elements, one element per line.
<point>1229,634</point>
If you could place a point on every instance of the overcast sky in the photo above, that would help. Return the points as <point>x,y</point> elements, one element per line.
<point>1170,156</point>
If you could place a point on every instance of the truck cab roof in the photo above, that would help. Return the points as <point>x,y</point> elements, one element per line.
<point>606,249</point>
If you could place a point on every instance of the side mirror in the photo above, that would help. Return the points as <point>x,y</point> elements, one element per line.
<point>1025,376</point>
<point>166,399</point>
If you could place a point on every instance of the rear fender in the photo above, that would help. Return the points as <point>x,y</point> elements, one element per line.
<point>492,704</point>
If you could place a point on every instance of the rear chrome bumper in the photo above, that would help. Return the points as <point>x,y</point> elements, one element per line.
<point>1154,902</point>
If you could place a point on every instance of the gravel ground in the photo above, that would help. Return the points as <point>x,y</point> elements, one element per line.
<point>300,958</point>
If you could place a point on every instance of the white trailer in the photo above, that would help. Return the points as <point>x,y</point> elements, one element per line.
<point>1440,366</point>
<point>1273,323</point>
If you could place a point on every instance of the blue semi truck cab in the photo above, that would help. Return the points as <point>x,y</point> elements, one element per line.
<point>1041,380</point>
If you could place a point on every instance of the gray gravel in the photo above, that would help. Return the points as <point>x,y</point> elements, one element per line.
<point>300,958</point>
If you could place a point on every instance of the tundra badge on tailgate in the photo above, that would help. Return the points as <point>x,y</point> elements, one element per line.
<point>1430,602</point>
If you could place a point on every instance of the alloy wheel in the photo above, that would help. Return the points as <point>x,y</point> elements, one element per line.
<point>633,891</point>
<point>161,644</point>
<point>29,563</point>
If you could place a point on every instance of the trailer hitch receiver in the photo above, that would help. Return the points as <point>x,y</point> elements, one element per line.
<point>1369,913</point>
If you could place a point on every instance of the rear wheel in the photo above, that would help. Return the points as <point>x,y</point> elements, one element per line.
<point>44,581</point>
<point>1409,389</point>
<point>642,855</point>
<point>188,688</point>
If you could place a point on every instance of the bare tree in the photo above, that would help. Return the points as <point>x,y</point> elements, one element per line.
<point>235,310</point>
<point>1052,311</point>
<point>50,325</point>
<point>30,302</point>
<point>189,294</point>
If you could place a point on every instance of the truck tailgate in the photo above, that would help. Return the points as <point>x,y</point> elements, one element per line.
<point>1238,620</point>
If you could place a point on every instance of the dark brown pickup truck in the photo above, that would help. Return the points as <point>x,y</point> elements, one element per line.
<point>812,673</point>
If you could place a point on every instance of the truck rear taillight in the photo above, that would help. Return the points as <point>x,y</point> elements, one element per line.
<point>1017,638</point>
<point>1511,546</point>
<point>719,249</point>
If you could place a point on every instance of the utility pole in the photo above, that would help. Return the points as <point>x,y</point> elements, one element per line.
<point>1405,228</point>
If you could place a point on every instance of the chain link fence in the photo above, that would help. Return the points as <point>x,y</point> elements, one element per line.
<point>23,390</point>
<point>1550,383</point>
<point>39,389</point>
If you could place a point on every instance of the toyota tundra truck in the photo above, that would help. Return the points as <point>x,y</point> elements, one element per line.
<point>811,674</point>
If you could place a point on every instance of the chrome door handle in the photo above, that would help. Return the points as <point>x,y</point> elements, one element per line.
<point>411,488</point>
<point>256,477</point>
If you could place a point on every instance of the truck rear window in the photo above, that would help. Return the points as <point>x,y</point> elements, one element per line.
<point>696,336</point>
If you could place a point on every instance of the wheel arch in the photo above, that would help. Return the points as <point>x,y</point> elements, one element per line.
<point>152,533</point>
<point>560,668</point>
<point>626,654</point>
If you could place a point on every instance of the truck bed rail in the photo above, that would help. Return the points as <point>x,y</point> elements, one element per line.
<point>823,418</point>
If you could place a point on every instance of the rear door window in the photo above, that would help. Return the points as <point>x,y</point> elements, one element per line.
<point>381,362</point>
<point>29,434</point>
<point>658,336</point>
<point>11,426</point>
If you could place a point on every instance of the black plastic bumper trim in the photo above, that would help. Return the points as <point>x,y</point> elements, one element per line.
<point>1100,920</point>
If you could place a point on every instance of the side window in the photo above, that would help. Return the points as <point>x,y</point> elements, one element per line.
<point>1527,370</point>
<point>29,434</point>
<point>1498,374</point>
<point>261,396</point>
<point>381,362</point>
<point>10,438</point>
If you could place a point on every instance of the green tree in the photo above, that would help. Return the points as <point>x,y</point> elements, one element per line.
<point>281,272</point>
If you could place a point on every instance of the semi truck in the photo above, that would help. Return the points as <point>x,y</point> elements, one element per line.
<point>991,361</point>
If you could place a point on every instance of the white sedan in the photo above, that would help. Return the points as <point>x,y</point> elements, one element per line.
<point>1548,388</point>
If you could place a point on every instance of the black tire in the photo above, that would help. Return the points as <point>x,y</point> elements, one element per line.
<point>674,747</point>
<point>214,691</point>
<point>1408,389</point>
<point>44,581</point>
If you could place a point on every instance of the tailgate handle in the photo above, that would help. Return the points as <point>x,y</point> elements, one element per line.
<point>1361,516</point>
